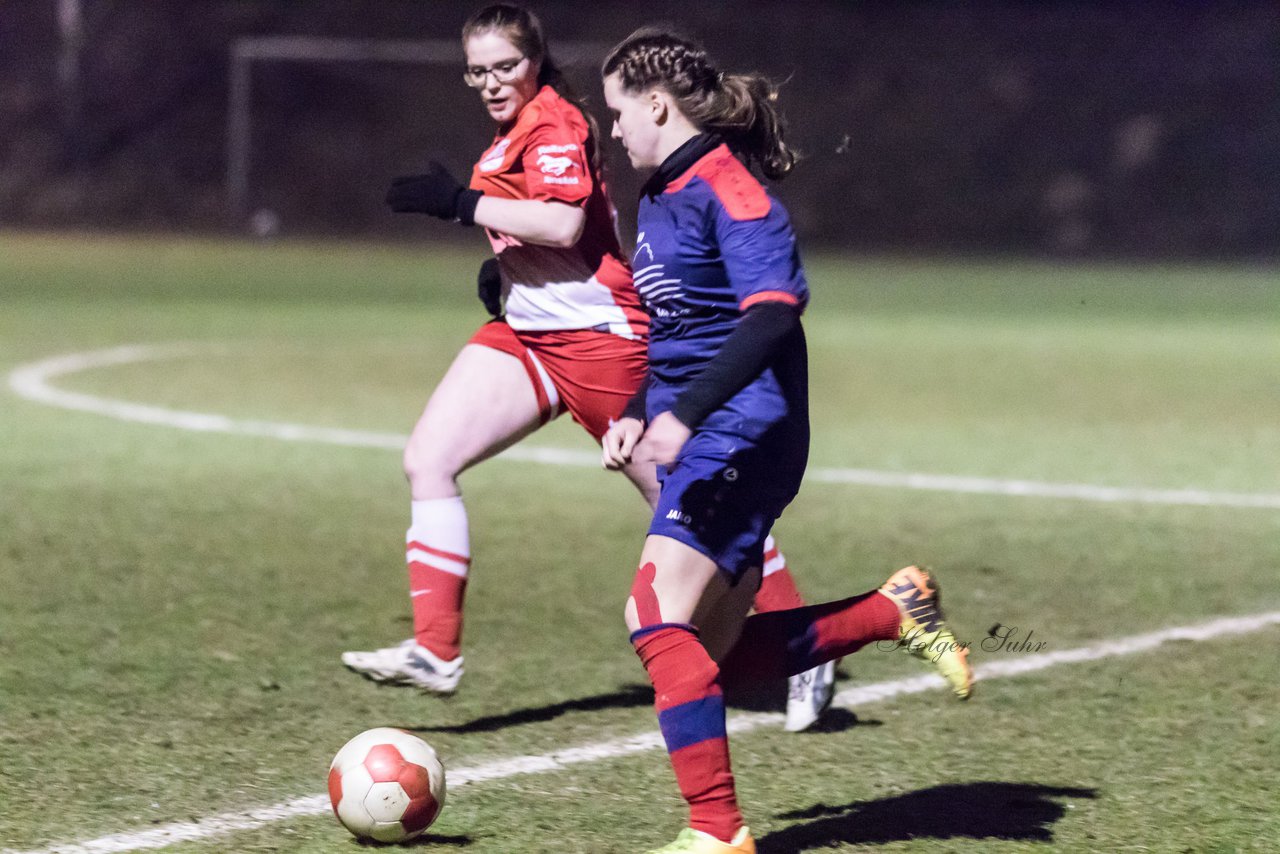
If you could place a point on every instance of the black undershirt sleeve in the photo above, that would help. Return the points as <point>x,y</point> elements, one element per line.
<point>635,406</point>
<point>752,346</point>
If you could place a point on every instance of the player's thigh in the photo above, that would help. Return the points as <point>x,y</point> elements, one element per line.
<point>644,476</point>
<point>484,404</point>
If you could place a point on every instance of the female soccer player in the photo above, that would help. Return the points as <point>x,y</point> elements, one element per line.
<point>724,415</point>
<point>572,338</point>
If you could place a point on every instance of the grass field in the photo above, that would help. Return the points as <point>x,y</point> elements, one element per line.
<point>173,603</point>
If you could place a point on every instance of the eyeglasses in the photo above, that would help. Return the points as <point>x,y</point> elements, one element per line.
<point>504,72</point>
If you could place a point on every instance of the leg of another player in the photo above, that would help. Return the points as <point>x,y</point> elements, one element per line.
<point>483,405</point>
<point>809,694</point>
<point>644,476</point>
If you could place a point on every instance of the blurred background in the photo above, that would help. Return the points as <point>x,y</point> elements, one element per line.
<point>1147,130</point>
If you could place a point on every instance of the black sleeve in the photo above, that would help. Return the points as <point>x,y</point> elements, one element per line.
<point>635,406</point>
<point>748,350</point>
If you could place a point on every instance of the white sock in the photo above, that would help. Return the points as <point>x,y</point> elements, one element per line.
<point>442,524</point>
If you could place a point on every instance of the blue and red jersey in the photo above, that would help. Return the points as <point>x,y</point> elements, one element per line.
<point>711,243</point>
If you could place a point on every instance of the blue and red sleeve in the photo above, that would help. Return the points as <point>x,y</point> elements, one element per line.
<point>756,240</point>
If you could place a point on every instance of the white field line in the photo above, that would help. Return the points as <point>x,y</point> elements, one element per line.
<point>32,381</point>
<point>859,695</point>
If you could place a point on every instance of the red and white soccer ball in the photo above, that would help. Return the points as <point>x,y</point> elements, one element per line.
<point>386,785</point>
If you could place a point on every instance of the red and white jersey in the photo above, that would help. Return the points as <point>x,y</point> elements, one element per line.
<point>545,155</point>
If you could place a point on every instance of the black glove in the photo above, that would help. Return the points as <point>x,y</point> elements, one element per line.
<point>489,287</point>
<point>436,193</point>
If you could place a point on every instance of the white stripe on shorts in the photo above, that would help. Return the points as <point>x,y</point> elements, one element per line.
<point>553,396</point>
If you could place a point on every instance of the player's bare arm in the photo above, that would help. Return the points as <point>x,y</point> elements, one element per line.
<point>547,223</point>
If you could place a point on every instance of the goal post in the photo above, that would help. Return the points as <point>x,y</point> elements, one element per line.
<point>247,51</point>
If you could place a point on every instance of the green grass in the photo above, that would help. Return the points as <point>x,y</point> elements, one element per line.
<point>172,604</point>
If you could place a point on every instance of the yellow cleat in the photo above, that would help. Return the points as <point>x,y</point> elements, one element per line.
<point>692,841</point>
<point>924,632</point>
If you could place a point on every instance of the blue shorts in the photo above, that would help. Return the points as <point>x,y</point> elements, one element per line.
<point>723,494</point>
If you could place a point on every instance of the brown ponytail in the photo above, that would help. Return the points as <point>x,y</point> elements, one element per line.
<point>521,27</point>
<point>740,107</point>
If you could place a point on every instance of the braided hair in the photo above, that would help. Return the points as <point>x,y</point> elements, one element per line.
<point>523,29</point>
<point>740,107</point>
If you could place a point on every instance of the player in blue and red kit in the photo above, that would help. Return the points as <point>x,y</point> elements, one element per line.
<point>724,415</point>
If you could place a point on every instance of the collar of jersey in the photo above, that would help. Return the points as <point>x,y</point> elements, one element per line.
<point>527,116</point>
<point>681,161</point>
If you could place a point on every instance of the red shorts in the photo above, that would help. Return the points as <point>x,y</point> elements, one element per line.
<point>590,374</point>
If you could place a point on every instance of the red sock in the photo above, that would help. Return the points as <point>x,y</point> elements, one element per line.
<point>781,643</point>
<point>691,716</point>
<point>437,608</point>
<point>778,590</point>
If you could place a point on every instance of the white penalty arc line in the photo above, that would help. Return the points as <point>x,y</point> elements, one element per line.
<point>227,823</point>
<point>32,382</point>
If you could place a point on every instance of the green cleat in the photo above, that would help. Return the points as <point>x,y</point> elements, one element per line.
<point>692,841</point>
<point>924,632</point>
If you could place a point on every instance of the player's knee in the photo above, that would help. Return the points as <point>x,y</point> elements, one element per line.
<point>424,465</point>
<point>413,462</point>
<point>629,616</point>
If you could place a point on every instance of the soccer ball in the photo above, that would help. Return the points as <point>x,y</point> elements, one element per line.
<point>386,785</point>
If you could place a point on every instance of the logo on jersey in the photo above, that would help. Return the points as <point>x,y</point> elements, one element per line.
<point>557,149</point>
<point>493,160</point>
<point>552,165</point>
<point>661,296</point>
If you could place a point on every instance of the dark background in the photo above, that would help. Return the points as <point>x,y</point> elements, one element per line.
<point>1076,129</point>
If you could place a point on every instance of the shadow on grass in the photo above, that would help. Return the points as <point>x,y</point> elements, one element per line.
<point>426,839</point>
<point>628,696</point>
<point>979,810</point>
<point>768,697</point>
<point>839,720</point>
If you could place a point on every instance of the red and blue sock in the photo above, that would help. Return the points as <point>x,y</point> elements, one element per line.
<point>687,683</point>
<point>690,710</point>
<point>782,643</point>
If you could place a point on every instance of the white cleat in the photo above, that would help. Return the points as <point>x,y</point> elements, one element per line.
<point>406,663</point>
<point>808,696</point>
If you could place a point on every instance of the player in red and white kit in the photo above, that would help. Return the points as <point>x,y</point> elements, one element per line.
<point>573,337</point>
